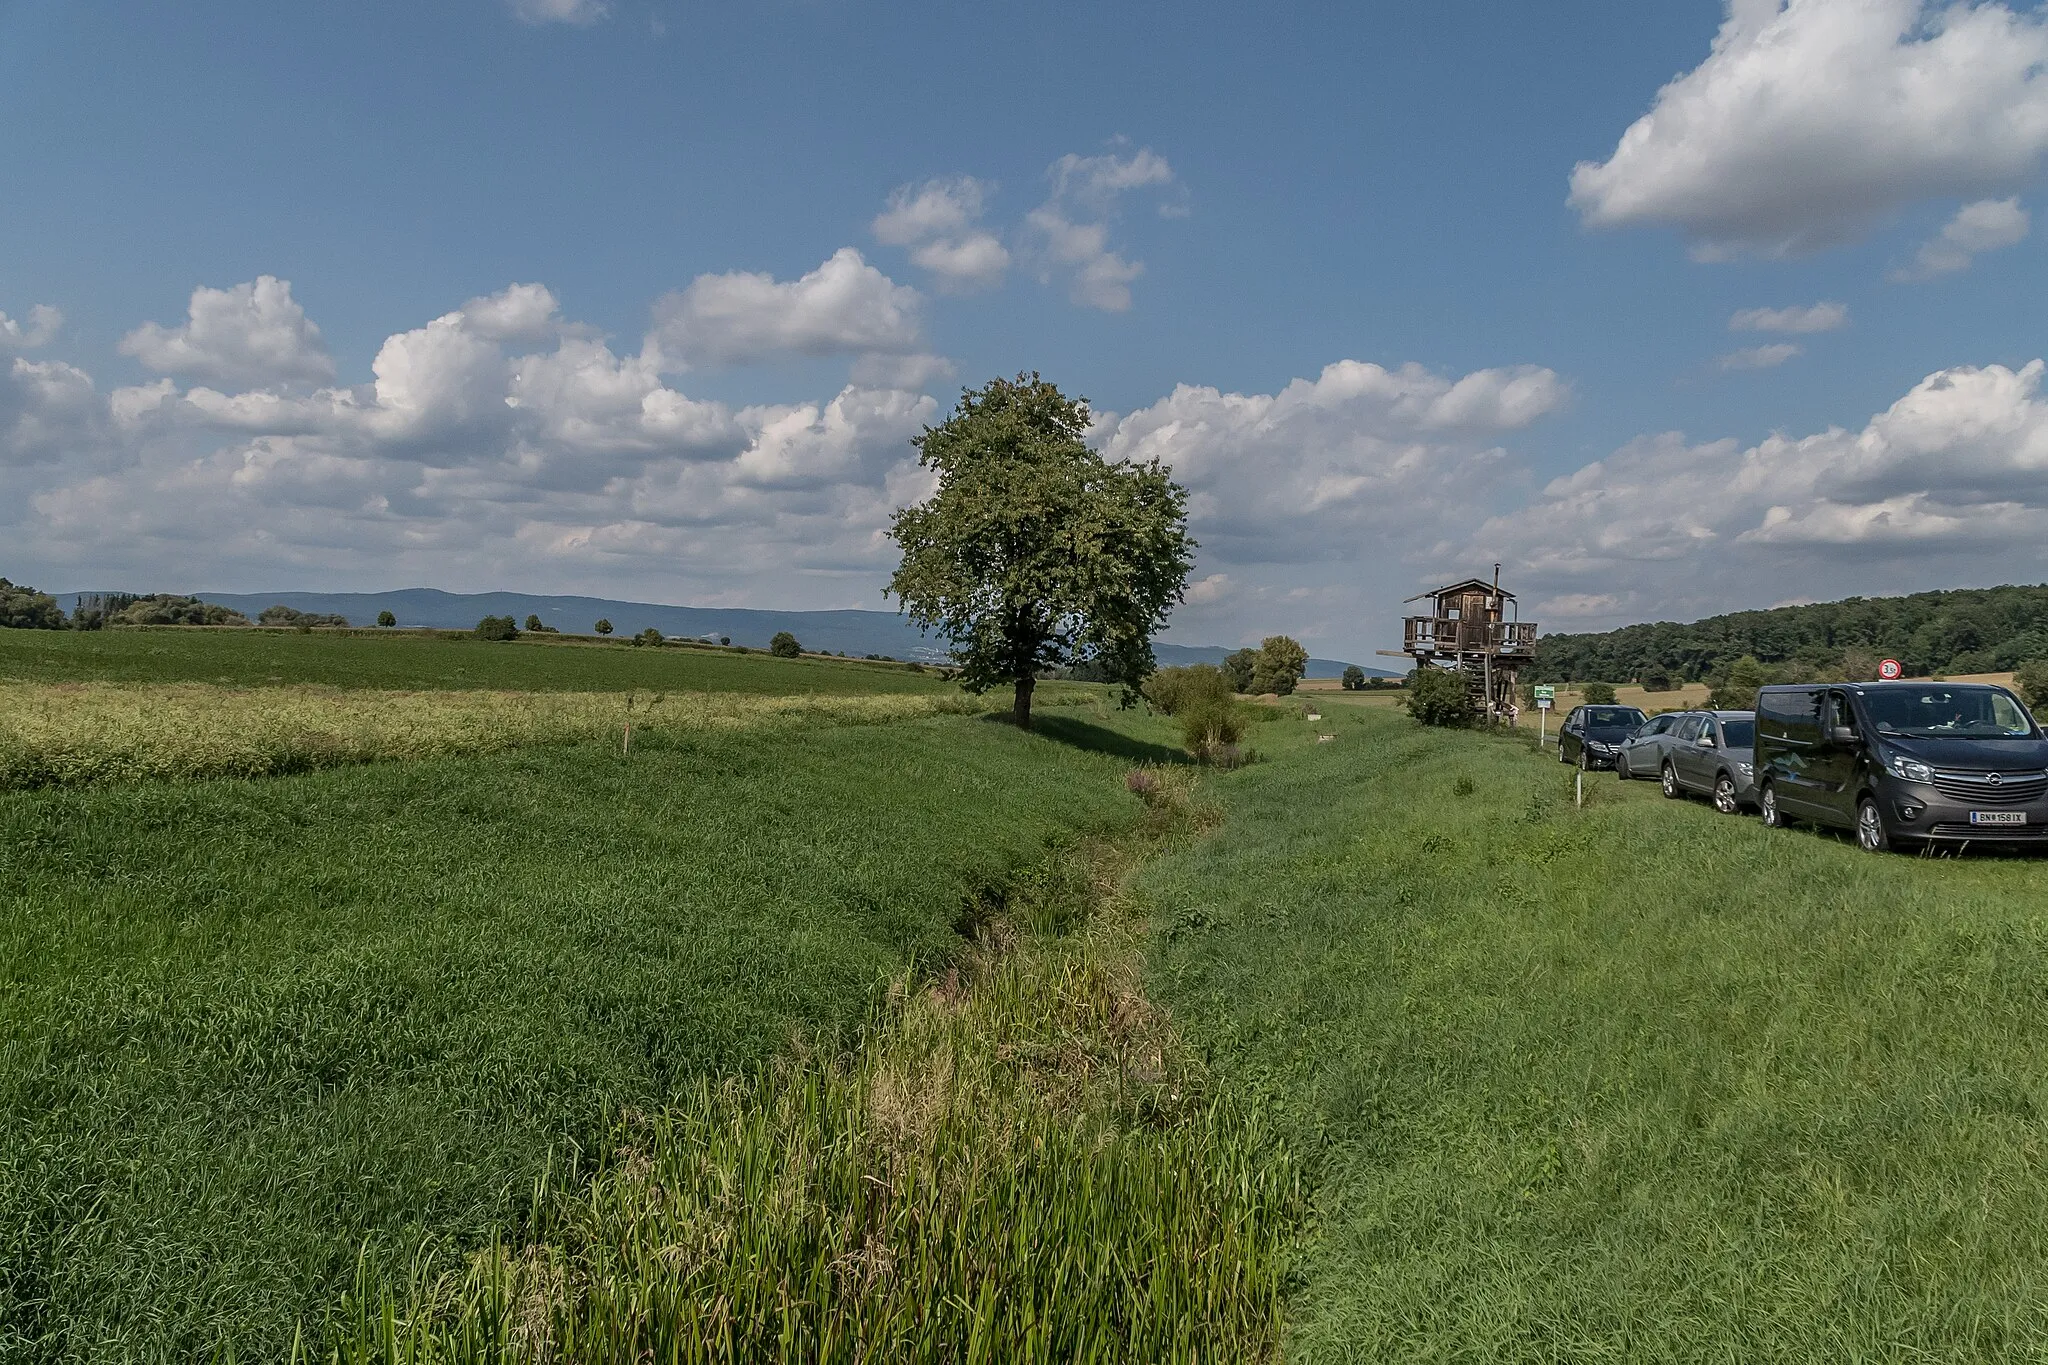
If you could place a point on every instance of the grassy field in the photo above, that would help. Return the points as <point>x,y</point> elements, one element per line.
<point>1632,1082</point>
<point>418,660</point>
<point>77,734</point>
<point>246,1027</point>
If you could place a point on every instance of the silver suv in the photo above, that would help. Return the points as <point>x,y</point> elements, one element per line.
<point>1714,753</point>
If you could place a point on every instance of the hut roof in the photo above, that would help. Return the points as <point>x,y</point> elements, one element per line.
<point>1464,586</point>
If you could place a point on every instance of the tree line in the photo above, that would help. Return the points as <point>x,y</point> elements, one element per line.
<point>1964,630</point>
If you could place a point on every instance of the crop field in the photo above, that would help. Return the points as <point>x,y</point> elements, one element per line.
<point>1633,1082</point>
<point>417,660</point>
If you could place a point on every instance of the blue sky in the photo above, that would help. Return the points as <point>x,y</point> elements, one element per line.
<point>1771,343</point>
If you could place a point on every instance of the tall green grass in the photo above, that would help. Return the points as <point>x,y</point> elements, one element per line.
<point>1020,1165</point>
<point>248,1029</point>
<point>1633,1082</point>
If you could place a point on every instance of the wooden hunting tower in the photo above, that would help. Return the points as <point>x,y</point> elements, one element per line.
<point>1475,628</point>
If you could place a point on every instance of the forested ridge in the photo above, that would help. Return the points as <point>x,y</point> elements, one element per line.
<point>1964,630</point>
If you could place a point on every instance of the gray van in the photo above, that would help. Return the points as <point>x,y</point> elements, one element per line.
<point>1903,763</point>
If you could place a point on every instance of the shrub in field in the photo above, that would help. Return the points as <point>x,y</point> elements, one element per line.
<point>23,608</point>
<point>2032,681</point>
<point>1211,728</point>
<point>1278,665</point>
<point>538,627</point>
<point>385,618</point>
<point>1597,694</point>
<point>1438,696</point>
<point>497,628</point>
<point>1173,690</point>
<point>649,636</point>
<point>164,609</point>
<point>784,645</point>
<point>603,626</point>
<point>281,615</point>
<point>1354,678</point>
<point>1656,680</point>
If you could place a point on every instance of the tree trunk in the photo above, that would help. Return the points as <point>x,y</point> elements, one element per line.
<point>1021,710</point>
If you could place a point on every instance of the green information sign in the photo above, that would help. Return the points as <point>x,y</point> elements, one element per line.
<point>1545,695</point>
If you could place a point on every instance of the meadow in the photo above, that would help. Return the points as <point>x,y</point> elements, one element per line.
<point>251,1027</point>
<point>427,660</point>
<point>1636,1081</point>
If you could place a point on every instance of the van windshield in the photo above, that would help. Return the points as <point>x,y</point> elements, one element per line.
<point>1947,713</point>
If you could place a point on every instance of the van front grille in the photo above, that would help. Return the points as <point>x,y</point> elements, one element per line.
<point>2001,789</point>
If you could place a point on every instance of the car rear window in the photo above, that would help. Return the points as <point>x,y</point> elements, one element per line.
<point>1739,734</point>
<point>1610,717</point>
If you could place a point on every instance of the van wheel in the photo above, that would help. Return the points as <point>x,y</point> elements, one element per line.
<point>1671,782</point>
<point>1767,805</point>
<point>1871,835</point>
<point>1724,795</point>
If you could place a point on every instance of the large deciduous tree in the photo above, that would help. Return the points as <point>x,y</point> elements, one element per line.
<point>1036,552</point>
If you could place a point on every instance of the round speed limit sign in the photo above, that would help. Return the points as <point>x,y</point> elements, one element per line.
<point>1889,670</point>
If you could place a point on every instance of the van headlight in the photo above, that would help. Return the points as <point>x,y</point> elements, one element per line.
<point>1911,769</point>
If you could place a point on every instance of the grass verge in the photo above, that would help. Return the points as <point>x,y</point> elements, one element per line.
<point>1633,1082</point>
<point>1021,1164</point>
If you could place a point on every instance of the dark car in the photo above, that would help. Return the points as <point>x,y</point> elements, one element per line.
<point>1713,752</point>
<point>1591,735</point>
<point>1904,763</point>
<point>1642,753</point>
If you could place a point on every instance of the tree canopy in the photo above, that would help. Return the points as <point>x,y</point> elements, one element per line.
<point>1036,552</point>
<point>784,646</point>
<point>23,608</point>
<point>1971,630</point>
<point>167,609</point>
<point>1278,665</point>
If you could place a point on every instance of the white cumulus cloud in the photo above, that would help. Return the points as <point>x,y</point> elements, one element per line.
<point>1811,119</point>
<point>43,322</point>
<point>1070,230</point>
<point>844,307</point>
<point>1983,226</point>
<point>939,221</point>
<point>1819,317</point>
<point>1764,357</point>
<point>578,12</point>
<point>254,334</point>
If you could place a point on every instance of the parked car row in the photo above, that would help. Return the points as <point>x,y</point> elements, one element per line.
<point>1902,764</point>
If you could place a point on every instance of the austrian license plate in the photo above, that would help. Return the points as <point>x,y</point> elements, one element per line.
<point>1998,817</point>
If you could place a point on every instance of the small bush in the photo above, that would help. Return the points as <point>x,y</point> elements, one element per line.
<point>784,645</point>
<point>649,636</point>
<point>385,618</point>
<point>1209,727</point>
<point>1657,680</point>
<point>1597,694</point>
<point>603,626</point>
<point>1464,786</point>
<point>1354,678</point>
<point>497,628</point>
<point>1437,696</point>
<point>1174,690</point>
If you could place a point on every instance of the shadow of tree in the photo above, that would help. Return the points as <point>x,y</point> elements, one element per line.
<point>1100,739</point>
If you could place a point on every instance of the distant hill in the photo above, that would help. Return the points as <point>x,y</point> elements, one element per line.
<point>836,632</point>
<point>1964,630</point>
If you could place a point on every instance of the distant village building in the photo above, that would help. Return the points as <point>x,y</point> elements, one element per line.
<point>1473,627</point>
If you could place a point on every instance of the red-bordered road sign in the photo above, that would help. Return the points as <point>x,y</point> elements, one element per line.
<point>1889,670</point>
